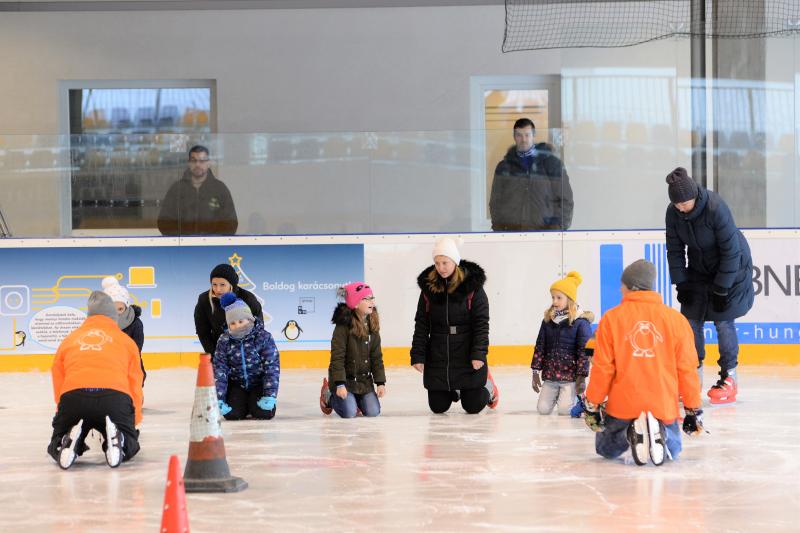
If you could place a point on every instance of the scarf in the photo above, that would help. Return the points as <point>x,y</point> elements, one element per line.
<point>242,333</point>
<point>125,318</point>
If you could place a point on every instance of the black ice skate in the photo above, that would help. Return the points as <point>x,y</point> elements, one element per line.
<point>638,439</point>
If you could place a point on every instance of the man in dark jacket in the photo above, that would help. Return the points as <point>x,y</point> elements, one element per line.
<point>716,284</point>
<point>198,203</point>
<point>209,316</point>
<point>531,188</point>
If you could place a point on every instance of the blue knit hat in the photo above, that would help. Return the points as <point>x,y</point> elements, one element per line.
<point>235,308</point>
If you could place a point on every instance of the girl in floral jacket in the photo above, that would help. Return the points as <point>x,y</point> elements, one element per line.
<point>560,363</point>
<point>246,364</point>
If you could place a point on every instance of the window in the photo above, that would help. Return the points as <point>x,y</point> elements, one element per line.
<point>128,144</point>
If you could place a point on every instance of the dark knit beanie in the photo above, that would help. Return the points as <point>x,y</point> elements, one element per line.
<point>682,187</point>
<point>226,272</point>
<point>640,276</point>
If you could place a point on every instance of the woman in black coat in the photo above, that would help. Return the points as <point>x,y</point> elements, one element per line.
<point>209,316</point>
<point>451,333</point>
<point>716,283</point>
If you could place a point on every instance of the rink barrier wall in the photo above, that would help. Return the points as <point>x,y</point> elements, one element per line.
<point>749,354</point>
<point>520,268</point>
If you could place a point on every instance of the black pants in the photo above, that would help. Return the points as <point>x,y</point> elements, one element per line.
<point>472,400</point>
<point>93,407</point>
<point>244,402</point>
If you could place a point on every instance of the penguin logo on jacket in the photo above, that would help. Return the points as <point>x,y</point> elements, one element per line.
<point>292,330</point>
<point>94,339</point>
<point>643,337</point>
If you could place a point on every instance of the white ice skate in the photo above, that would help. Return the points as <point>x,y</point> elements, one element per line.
<point>638,439</point>
<point>114,442</point>
<point>658,440</point>
<point>67,455</point>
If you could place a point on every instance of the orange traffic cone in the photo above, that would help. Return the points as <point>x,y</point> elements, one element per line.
<point>206,468</point>
<point>174,518</point>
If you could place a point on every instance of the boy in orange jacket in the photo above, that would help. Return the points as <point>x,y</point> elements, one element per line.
<point>644,361</point>
<point>97,384</point>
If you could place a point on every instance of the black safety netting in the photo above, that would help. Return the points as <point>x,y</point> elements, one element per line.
<point>540,24</point>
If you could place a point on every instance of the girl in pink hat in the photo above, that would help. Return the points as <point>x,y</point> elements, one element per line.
<point>356,366</point>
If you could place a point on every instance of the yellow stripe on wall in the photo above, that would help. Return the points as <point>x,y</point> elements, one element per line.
<point>749,354</point>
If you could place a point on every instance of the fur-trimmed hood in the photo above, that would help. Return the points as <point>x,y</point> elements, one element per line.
<point>588,315</point>
<point>341,315</point>
<point>474,279</point>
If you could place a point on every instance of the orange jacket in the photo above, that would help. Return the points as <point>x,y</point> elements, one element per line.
<point>98,355</point>
<point>645,359</point>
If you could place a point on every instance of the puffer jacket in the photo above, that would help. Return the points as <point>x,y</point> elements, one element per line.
<point>451,330</point>
<point>560,352</point>
<point>355,362</point>
<point>718,255</point>
<point>251,361</point>
<point>535,199</point>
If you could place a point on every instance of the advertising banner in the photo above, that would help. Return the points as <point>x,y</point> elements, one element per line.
<point>43,291</point>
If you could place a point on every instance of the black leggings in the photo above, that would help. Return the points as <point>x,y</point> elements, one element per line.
<point>472,400</point>
<point>93,407</point>
<point>244,402</point>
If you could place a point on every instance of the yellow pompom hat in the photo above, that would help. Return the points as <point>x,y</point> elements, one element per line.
<point>568,285</point>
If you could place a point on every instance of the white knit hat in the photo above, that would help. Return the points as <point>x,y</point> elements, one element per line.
<point>117,292</point>
<point>448,248</point>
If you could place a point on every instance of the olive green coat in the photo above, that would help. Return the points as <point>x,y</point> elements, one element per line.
<point>358,363</point>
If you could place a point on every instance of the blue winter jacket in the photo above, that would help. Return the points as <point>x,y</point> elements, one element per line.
<point>249,362</point>
<point>560,351</point>
<point>718,255</point>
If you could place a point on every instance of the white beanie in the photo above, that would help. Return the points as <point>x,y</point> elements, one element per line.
<point>117,292</point>
<point>448,248</point>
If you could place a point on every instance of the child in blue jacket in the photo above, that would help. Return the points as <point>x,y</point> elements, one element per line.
<point>560,363</point>
<point>246,364</point>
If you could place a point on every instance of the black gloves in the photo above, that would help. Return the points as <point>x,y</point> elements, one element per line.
<point>692,421</point>
<point>685,295</point>
<point>719,299</point>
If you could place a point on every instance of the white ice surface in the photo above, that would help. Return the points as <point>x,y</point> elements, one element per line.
<point>503,470</point>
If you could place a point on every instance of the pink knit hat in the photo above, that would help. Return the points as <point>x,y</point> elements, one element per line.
<point>355,292</point>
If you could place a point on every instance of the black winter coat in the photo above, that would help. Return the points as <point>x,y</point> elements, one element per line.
<point>209,316</point>
<point>535,199</point>
<point>718,255</point>
<point>135,329</point>
<point>188,210</point>
<point>357,363</point>
<point>560,351</point>
<point>450,331</point>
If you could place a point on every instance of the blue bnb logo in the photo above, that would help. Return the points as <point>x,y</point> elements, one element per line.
<point>612,264</point>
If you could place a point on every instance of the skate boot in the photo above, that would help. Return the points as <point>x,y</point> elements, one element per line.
<point>724,391</point>
<point>114,442</point>
<point>494,392</point>
<point>577,409</point>
<point>639,440</point>
<point>657,437</point>
<point>325,398</point>
<point>69,442</point>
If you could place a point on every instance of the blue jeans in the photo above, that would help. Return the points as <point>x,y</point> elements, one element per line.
<point>347,407</point>
<point>728,343</point>
<point>613,441</point>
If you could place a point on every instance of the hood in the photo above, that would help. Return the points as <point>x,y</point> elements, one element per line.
<point>474,280</point>
<point>341,315</point>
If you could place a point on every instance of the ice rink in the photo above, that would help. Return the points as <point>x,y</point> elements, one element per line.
<point>503,470</point>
